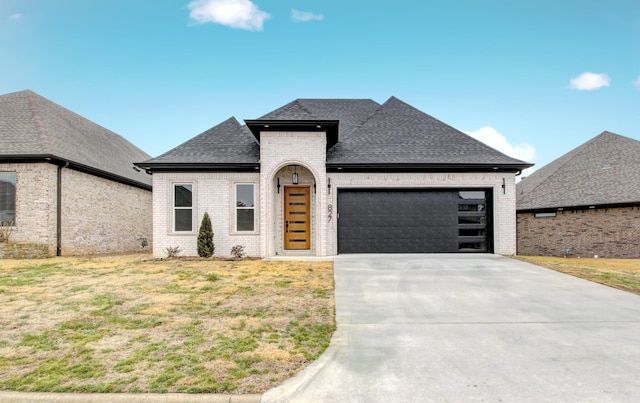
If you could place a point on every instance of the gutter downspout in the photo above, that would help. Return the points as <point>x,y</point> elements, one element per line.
<point>59,210</point>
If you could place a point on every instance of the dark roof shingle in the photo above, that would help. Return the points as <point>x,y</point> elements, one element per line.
<point>369,134</point>
<point>398,133</point>
<point>227,143</point>
<point>350,112</point>
<point>34,126</point>
<point>604,170</point>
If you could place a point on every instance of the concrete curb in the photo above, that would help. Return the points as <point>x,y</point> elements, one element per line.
<point>26,397</point>
<point>289,389</point>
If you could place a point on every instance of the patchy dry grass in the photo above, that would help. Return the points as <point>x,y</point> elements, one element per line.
<point>623,274</point>
<point>133,324</point>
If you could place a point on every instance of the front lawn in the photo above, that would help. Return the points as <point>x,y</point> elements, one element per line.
<point>135,324</point>
<point>618,273</point>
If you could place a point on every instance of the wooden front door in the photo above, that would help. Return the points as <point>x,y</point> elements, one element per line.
<point>297,217</point>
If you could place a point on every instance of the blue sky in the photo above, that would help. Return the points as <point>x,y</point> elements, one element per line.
<point>533,78</point>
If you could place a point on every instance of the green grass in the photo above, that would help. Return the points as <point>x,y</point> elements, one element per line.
<point>137,325</point>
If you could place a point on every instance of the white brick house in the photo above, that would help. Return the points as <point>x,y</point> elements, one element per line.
<point>68,184</point>
<point>325,177</point>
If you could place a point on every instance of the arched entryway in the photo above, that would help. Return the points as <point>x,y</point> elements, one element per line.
<point>294,210</point>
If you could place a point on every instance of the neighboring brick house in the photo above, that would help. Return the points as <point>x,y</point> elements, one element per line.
<point>323,177</point>
<point>68,183</point>
<point>585,203</point>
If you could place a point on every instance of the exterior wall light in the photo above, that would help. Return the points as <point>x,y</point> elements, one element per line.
<point>294,178</point>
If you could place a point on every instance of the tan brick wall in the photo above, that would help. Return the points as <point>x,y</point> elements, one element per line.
<point>24,251</point>
<point>101,216</point>
<point>36,200</point>
<point>98,215</point>
<point>606,232</point>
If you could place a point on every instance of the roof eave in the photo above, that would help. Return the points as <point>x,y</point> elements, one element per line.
<point>426,167</point>
<point>330,127</point>
<point>52,159</point>
<point>578,207</point>
<point>199,167</point>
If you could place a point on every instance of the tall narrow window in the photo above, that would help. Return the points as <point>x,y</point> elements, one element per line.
<point>245,207</point>
<point>7,197</point>
<point>183,207</point>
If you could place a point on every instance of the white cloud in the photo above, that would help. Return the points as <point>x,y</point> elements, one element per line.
<point>241,14</point>
<point>636,83</point>
<point>590,81</point>
<point>15,16</point>
<point>305,16</point>
<point>490,136</point>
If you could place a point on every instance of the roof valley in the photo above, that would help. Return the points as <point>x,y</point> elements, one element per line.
<point>393,134</point>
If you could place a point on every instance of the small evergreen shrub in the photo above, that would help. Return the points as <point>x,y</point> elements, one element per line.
<point>205,237</point>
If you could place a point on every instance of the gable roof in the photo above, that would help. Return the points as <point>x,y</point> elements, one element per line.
<point>370,136</point>
<point>603,171</point>
<point>36,129</point>
<point>227,145</point>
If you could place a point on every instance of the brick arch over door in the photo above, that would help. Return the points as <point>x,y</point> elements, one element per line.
<point>295,211</point>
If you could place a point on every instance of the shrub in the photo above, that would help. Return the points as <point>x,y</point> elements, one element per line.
<point>205,237</point>
<point>5,231</point>
<point>172,251</point>
<point>238,252</point>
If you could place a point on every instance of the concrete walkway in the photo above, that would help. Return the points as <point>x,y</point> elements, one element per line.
<point>462,328</point>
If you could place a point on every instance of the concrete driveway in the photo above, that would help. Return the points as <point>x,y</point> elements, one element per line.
<point>460,328</point>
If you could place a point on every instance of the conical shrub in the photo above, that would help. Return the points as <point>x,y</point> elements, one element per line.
<point>205,237</point>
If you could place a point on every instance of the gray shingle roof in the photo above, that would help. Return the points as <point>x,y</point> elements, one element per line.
<point>350,112</point>
<point>227,143</point>
<point>33,126</point>
<point>398,133</point>
<point>369,134</point>
<point>604,170</point>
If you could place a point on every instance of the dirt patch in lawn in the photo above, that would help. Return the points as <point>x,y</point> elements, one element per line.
<point>135,324</point>
<point>623,274</point>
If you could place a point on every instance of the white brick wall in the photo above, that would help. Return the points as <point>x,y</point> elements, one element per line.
<point>212,192</point>
<point>278,150</point>
<point>503,204</point>
<point>307,150</point>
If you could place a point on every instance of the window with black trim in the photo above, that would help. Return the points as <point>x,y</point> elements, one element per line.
<point>245,207</point>
<point>8,198</point>
<point>183,207</point>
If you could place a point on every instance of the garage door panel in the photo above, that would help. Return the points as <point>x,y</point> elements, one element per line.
<point>399,221</point>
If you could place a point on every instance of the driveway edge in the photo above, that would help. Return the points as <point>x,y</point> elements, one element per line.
<point>28,397</point>
<point>289,389</point>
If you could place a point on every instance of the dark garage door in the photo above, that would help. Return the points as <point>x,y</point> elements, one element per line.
<point>412,221</point>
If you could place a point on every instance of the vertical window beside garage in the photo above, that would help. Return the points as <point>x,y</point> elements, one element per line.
<point>183,207</point>
<point>7,198</point>
<point>472,221</point>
